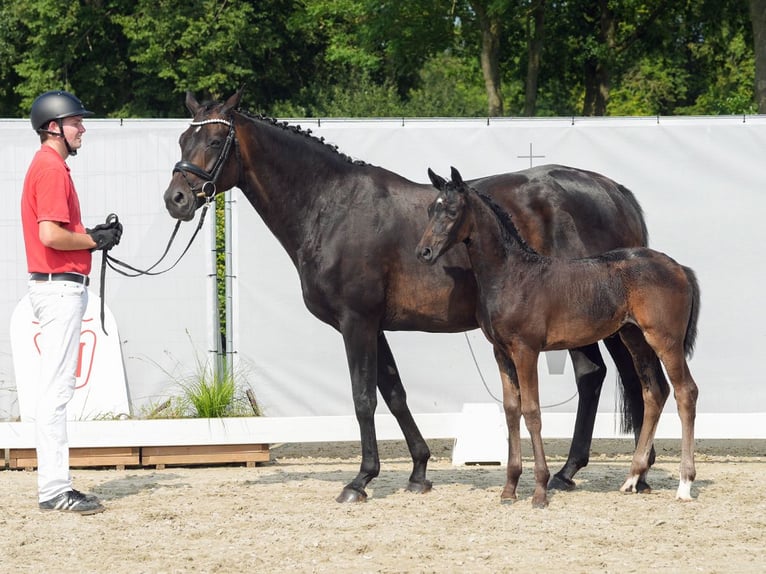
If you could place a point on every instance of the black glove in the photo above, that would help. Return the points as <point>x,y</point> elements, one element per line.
<point>106,235</point>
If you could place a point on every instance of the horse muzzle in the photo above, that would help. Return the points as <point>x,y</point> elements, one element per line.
<point>181,204</point>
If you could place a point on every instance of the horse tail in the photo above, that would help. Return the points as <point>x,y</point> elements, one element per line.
<point>629,398</point>
<point>691,326</point>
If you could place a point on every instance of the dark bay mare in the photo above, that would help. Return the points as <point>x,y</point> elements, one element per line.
<point>351,230</point>
<point>530,303</point>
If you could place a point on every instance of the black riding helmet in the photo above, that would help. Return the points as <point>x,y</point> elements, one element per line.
<point>56,105</point>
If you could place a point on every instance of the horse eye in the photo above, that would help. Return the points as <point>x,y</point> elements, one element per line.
<point>215,144</point>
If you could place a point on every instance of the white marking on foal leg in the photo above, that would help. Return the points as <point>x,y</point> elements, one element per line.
<point>630,484</point>
<point>684,490</point>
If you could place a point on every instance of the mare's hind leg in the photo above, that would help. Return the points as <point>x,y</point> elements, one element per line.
<point>631,395</point>
<point>589,371</point>
<point>512,409</point>
<point>394,395</point>
<point>655,393</point>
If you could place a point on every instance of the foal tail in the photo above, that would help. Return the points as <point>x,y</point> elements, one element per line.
<point>691,326</point>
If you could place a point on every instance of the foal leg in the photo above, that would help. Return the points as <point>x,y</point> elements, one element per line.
<point>394,395</point>
<point>512,408</point>
<point>631,396</point>
<point>525,360</point>
<point>655,393</point>
<point>589,371</point>
<point>685,392</point>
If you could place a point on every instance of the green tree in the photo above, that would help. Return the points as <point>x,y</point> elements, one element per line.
<point>758,21</point>
<point>62,45</point>
<point>212,47</point>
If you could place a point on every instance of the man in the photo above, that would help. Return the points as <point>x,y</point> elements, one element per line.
<point>58,250</point>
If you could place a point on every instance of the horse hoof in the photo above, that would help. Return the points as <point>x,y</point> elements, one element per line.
<point>507,500</point>
<point>643,487</point>
<point>420,487</point>
<point>561,483</point>
<point>352,495</point>
<point>540,503</point>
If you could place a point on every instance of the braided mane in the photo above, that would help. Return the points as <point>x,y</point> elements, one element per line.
<point>298,130</point>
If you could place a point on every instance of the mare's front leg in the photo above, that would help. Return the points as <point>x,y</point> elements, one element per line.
<point>360,338</point>
<point>394,395</point>
<point>589,371</point>
<point>525,360</point>
<point>512,409</point>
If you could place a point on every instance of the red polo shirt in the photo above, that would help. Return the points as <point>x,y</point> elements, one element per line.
<point>49,195</point>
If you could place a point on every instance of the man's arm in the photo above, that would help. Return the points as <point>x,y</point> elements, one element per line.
<point>53,234</point>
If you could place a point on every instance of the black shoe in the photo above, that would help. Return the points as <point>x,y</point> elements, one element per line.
<point>74,501</point>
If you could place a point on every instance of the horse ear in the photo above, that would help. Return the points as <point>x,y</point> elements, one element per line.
<point>437,181</point>
<point>233,102</point>
<point>191,103</point>
<point>456,177</point>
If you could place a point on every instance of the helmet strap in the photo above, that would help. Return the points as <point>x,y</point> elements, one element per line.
<point>60,134</point>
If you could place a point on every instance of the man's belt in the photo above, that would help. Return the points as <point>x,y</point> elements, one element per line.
<point>76,277</point>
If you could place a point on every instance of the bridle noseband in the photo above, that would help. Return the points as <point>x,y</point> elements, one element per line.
<point>208,189</point>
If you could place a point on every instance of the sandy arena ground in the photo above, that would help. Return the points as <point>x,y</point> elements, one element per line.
<point>282,517</point>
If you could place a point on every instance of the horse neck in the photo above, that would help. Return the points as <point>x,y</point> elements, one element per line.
<point>287,177</point>
<point>493,250</point>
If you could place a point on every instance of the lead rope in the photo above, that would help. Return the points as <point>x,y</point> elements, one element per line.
<point>115,264</point>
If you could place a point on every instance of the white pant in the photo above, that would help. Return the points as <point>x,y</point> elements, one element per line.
<point>59,306</point>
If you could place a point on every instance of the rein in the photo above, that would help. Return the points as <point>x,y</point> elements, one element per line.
<point>207,191</point>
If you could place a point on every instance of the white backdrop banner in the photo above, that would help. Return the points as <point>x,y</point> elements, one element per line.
<point>697,179</point>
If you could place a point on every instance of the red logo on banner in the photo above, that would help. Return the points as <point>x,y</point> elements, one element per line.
<point>88,341</point>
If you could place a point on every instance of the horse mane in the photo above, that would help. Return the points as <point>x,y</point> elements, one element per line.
<point>298,130</point>
<point>508,228</point>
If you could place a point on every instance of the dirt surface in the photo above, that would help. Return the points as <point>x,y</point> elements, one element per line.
<point>282,517</point>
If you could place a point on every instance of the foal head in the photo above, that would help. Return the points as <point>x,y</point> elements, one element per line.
<point>447,224</point>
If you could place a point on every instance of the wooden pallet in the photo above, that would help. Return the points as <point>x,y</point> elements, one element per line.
<point>118,457</point>
<point>160,456</point>
<point>157,456</point>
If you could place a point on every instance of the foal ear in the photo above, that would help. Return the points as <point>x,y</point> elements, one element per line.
<point>438,181</point>
<point>233,102</point>
<point>191,103</point>
<point>456,177</point>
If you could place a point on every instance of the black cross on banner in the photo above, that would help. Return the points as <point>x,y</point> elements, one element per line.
<point>531,156</point>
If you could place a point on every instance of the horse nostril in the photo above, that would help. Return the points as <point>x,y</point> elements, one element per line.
<point>426,254</point>
<point>178,198</point>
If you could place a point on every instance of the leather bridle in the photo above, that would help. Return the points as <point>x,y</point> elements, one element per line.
<point>208,189</point>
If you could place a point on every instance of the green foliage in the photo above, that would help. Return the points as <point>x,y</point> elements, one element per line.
<point>449,87</point>
<point>210,393</point>
<point>70,45</point>
<point>368,58</point>
<point>649,88</point>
